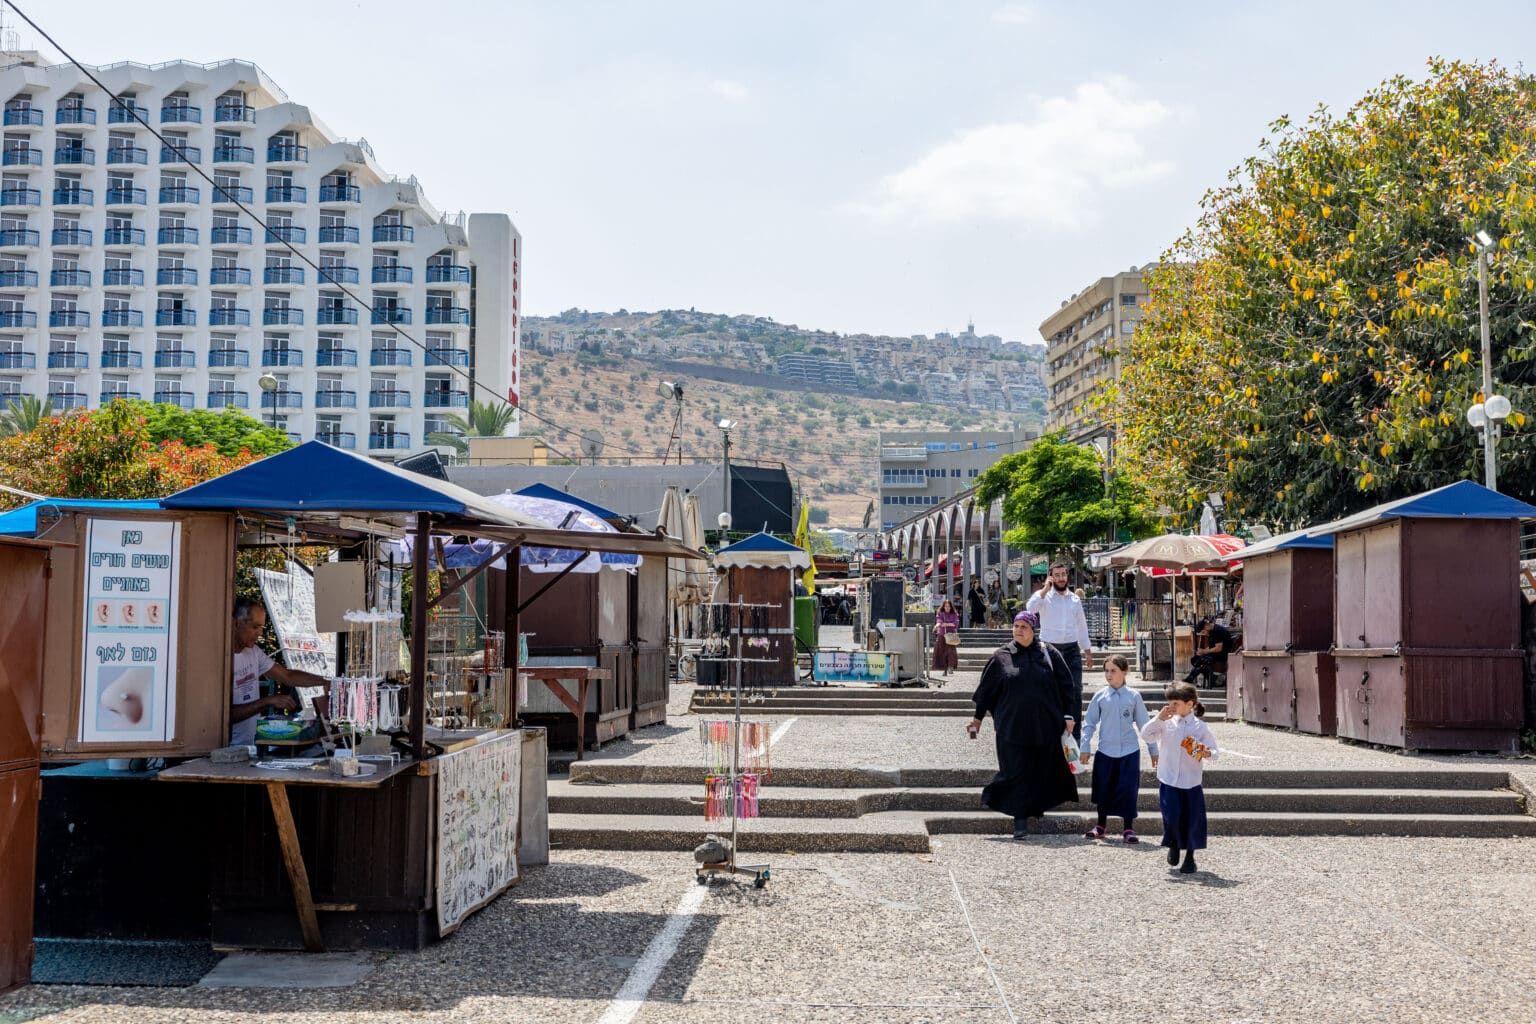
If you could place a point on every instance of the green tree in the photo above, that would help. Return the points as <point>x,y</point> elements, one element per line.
<point>1055,496</point>
<point>1310,346</point>
<point>22,415</point>
<point>485,419</point>
<point>227,431</point>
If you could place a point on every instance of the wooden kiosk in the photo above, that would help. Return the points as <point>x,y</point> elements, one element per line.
<point>1285,674</point>
<point>1427,620</point>
<point>297,857</point>
<point>760,573</point>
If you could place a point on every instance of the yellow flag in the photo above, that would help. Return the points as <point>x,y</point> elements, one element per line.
<point>803,541</point>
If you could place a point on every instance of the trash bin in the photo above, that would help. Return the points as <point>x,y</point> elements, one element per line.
<point>805,623</point>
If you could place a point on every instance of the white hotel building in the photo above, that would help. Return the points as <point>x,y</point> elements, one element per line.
<point>122,272</point>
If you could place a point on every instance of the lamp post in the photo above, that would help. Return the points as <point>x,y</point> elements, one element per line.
<point>725,441</point>
<point>268,384</point>
<point>1488,415</point>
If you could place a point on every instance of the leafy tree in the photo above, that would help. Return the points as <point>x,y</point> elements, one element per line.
<point>485,419</point>
<point>228,431</point>
<point>23,414</point>
<point>1310,346</point>
<point>820,514</point>
<point>1054,494</point>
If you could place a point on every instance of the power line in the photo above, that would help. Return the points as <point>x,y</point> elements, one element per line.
<point>218,190</point>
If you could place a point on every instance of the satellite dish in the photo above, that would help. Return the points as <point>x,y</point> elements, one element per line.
<point>591,444</point>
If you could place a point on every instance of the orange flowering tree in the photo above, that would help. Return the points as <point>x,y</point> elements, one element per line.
<point>106,453</point>
<point>1310,346</point>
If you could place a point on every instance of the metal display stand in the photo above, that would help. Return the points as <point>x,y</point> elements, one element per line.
<point>758,872</point>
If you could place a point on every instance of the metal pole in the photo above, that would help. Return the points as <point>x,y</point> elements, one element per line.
<point>419,565</point>
<point>1490,470</point>
<point>726,476</point>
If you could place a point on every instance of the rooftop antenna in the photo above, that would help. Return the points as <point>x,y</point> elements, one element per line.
<point>10,41</point>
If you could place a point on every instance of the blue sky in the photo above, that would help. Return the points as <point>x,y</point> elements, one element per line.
<point>893,167</point>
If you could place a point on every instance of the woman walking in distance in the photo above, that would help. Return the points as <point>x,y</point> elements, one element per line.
<point>1028,690</point>
<point>946,653</point>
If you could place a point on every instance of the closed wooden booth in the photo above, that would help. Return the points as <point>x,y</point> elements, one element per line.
<point>1285,675</point>
<point>761,574</point>
<point>1427,621</point>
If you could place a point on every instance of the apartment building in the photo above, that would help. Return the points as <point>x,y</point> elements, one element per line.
<point>817,369</point>
<point>923,468</point>
<point>123,272</point>
<point>1084,341</point>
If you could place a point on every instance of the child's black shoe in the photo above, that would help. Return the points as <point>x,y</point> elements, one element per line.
<point>1173,855</point>
<point>1188,867</point>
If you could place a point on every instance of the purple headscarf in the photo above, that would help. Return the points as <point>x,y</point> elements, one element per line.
<point>1029,617</point>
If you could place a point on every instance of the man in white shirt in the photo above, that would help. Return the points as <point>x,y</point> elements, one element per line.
<point>1064,626</point>
<point>251,663</point>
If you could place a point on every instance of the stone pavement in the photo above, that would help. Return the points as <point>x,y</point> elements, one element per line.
<point>981,930</point>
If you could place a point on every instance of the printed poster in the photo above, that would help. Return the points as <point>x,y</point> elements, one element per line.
<point>290,600</point>
<point>128,678</point>
<point>479,790</point>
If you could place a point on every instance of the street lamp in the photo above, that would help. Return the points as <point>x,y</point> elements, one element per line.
<point>725,440</point>
<point>268,383</point>
<point>1489,414</point>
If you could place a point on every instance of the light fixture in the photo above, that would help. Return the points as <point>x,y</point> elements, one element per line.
<point>1497,408</point>
<point>727,424</point>
<point>1482,240</point>
<point>1216,501</point>
<point>1477,416</point>
<point>724,520</point>
<point>267,382</point>
<point>668,389</point>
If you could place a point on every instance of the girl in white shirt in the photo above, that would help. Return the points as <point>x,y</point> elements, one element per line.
<point>1186,744</point>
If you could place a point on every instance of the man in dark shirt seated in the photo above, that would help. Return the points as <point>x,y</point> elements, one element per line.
<point>1213,642</point>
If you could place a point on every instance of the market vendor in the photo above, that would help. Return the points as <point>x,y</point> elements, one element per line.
<point>246,704</point>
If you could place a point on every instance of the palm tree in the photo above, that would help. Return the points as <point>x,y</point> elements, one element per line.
<point>23,414</point>
<point>485,419</point>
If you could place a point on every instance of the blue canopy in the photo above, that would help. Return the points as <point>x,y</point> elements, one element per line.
<point>555,494</point>
<point>316,477</point>
<point>1461,500</point>
<point>1284,542</point>
<point>763,550</point>
<point>23,520</point>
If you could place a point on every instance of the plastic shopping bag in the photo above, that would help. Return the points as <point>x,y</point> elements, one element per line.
<point>1070,749</point>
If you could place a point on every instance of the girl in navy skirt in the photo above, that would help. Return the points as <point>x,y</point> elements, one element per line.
<point>1187,744</point>
<point>1116,713</point>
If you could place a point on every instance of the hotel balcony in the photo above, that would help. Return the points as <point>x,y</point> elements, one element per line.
<point>21,156</point>
<point>18,360</point>
<point>178,236</point>
<point>389,442</point>
<point>436,399</point>
<point>338,275</point>
<point>339,235</point>
<point>181,115</point>
<point>230,236</point>
<point>335,315</point>
<point>282,400</point>
<point>224,358</point>
<point>335,399</point>
<point>108,397</point>
<point>69,361</point>
<point>290,234</point>
<point>287,194</point>
<point>25,278</point>
<point>74,197</point>
<point>447,357</point>
<point>234,155</point>
<point>127,155</point>
<point>234,113</point>
<point>126,113</point>
<point>183,277</point>
<point>123,236</point>
<point>18,318</point>
<point>282,316</point>
<point>390,357</point>
<point>122,278</point>
<point>79,156</point>
<point>336,357</point>
<point>180,195</point>
<point>23,117</point>
<point>392,275</point>
<point>394,233</point>
<point>389,399</point>
<point>449,274</point>
<point>229,316</point>
<point>175,359</point>
<point>66,400</point>
<point>231,277</point>
<point>283,275</point>
<point>222,398</point>
<point>391,315</point>
<point>77,318</point>
<point>447,315</point>
<point>122,359</point>
<point>175,318</point>
<point>17,238</point>
<point>71,237</point>
<point>287,154</point>
<point>21,197</point>
<point>181,154</point>
<point>338,439</point>
<point>74,115</point>
<point>185,399</point>
<point>282,357</point>
<point>127,197</point>
<point>340,194</point>
<point>233,194</point>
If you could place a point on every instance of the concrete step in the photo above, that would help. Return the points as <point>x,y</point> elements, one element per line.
<point>601,771</point>
<point>1247,823</point>
<point>806,802</point>
<point>961,696</point>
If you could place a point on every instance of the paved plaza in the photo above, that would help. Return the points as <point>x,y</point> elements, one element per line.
<point>979,929</point>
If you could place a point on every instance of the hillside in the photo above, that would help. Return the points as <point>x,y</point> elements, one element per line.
<point>828,442</point>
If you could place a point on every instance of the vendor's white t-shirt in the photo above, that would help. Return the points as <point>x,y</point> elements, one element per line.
<point>250,665</point>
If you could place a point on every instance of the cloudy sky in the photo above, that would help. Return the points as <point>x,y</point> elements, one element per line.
<point>892,166</point>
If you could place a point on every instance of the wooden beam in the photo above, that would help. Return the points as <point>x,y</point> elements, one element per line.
<point>540,592</point>
<point>459,583</point>
<point>419,562</point>
<point>293,861</point>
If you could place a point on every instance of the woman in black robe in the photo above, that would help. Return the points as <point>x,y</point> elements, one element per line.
<point>1028,689</point>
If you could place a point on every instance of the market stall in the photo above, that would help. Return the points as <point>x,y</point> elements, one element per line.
<point>760,574</point>
<point>1164,627</point>
<point>388,848</point>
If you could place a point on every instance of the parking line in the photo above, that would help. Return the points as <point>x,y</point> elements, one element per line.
<point>637,987</point>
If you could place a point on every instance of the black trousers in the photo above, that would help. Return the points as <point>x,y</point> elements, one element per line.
<point>1073,655</point>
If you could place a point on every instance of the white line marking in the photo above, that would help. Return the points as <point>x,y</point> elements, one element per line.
<point>979,951</point>
<point>632,995</point>
<point>778,733</point>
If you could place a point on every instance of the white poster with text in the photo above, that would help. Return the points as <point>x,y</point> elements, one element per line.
<point>128,677</point>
